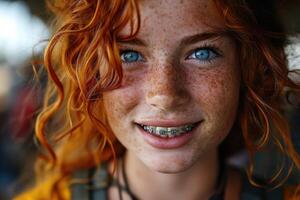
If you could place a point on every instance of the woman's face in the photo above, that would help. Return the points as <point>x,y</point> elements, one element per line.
<point>181,83</point>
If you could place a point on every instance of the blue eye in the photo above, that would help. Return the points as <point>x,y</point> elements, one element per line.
<point>203,54</point>
<point>129,56</point>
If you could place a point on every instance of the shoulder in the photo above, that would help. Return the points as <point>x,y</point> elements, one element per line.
<point>45,190</point>
<point>248,191</point>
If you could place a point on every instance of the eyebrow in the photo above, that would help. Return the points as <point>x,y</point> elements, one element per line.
<point>187,40</point>
<point>134,41</point>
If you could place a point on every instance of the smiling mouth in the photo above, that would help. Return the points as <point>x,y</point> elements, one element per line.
<point>168,132</point>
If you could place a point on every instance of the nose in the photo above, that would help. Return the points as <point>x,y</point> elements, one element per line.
<point>166,88</point>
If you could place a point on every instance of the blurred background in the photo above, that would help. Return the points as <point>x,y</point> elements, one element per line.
<point>23,35</point>
<point>24,32</point>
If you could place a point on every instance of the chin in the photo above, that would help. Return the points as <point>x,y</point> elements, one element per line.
<point>169,164</point>
<point>171,171</point>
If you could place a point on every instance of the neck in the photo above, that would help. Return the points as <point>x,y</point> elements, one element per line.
<point>197,182</point>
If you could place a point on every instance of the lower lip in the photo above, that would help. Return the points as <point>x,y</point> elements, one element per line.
<point>167,143</point>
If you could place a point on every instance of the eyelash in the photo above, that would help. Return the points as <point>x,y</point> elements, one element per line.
<point>212,48</point>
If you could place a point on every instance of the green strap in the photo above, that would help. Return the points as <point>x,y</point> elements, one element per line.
<point>80,191</point>
<point>100,184</point>
<point>95,189</point>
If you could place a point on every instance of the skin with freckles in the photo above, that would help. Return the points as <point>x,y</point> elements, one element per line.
<point>165,80</point>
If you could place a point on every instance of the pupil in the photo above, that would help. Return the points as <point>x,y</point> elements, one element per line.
<point>202,54</point>
<point>131,56</point>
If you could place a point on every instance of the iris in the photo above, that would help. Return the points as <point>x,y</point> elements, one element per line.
<point>204,54</point>
<point>130,56</point>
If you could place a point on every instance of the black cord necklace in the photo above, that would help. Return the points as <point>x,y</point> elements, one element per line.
<point>219,195</point>
<point>126,186</point>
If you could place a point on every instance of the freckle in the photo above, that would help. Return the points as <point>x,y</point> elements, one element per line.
<point>128,80</point>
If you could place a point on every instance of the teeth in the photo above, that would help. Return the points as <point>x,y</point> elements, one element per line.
<point>168,131</point>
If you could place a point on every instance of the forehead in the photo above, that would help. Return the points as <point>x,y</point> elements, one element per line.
<point>178,16</point>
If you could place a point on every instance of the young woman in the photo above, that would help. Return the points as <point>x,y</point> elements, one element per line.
<point>147,99</point>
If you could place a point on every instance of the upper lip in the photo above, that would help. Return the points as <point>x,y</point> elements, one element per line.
<point>166,123</point>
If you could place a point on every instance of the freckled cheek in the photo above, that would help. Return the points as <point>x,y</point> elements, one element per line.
<point>120,102</point>
<point>217,95</point>
<point>128,79</point>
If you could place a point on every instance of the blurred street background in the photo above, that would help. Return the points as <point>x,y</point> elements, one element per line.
<point>24,32</point>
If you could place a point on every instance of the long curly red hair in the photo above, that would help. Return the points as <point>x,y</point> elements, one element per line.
<point>82,61</point>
